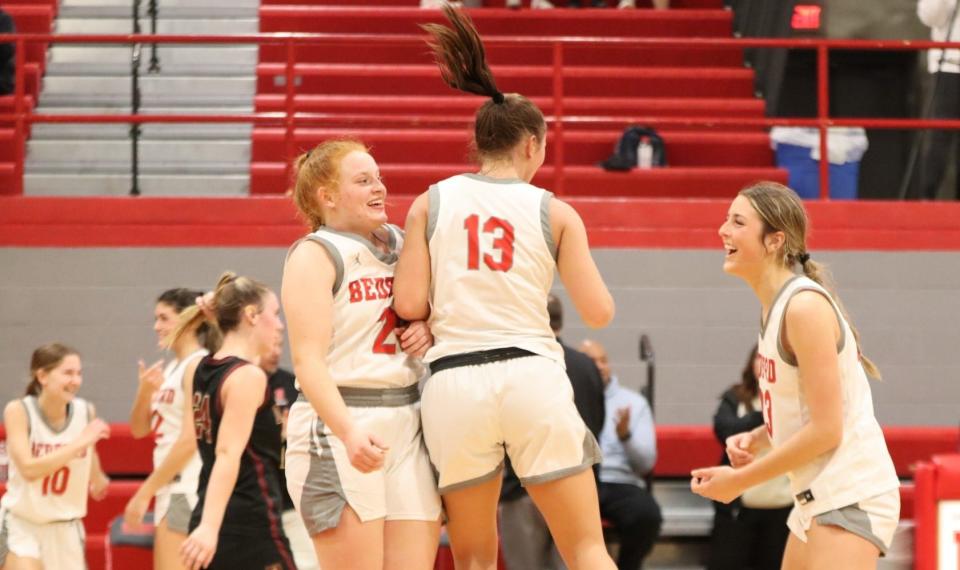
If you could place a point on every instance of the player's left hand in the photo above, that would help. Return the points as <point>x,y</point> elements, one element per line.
<point>198,549</point>
<point>717,483</point>
<point>415,338</point>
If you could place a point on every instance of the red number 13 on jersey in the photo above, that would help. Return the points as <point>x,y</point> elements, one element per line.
<point>502,231</point>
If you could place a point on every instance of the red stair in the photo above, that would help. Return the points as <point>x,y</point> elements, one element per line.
<point>29,16</point>
<point>376,91</point>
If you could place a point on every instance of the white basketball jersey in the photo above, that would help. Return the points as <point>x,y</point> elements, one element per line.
<point>492,258</point>
<point>167,407</point>
<point>860,467</point>
<point>364,351</point>
<point>61,495</point>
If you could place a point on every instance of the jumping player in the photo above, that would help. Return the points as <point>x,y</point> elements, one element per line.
<point>356,466</point>
<point>479,260</point>
<point>817,406</point>
<point>51,438</point>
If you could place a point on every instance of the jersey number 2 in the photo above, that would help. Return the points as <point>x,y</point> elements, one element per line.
<point>503,242</point>
<point>56,482</point>
<point>380,344</point>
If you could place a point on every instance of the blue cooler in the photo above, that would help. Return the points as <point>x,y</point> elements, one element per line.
<point>797,151</point>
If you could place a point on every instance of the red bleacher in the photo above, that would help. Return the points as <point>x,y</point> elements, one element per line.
<point>29,16</point>
<point>381,85</point>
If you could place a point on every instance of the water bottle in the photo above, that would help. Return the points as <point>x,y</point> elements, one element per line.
<point>4,461</point>
<point>644,153</point>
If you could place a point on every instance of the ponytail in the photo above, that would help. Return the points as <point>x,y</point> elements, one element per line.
<point>819,274</point>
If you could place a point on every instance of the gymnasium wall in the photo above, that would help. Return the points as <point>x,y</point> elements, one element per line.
<point>701,321</point>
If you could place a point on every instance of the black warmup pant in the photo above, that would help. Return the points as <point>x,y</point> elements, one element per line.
<point>636,520</point>
<point>946,105</point>
<point>748,539</point>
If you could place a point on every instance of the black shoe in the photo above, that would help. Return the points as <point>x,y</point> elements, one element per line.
<point>573,4</point>
<point>598,3</point>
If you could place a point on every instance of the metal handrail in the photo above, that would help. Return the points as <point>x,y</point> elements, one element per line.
<point>290,118</point>
<point>135,128</point>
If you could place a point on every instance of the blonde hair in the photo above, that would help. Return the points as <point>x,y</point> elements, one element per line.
<point>45,359</point>
<point>231,295</point>
<point>781,210</point>
<point>320,167</point>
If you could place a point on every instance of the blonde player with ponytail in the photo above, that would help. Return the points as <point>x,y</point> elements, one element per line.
<point>817,406</point>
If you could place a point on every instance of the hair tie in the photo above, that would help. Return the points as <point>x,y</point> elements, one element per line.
<point>498,98</point>
<point>803,258</point>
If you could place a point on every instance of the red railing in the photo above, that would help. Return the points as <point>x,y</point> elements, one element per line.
<point>289,119</point>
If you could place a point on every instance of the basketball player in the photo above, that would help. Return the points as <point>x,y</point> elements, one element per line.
<point>356,466</point>
<point>237,521</point>
<point>51,438</point>
<point>158,409</point>
<point>479,260</point>
<point>817,407</point>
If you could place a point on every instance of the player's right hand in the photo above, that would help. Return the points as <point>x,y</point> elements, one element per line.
<point>96,430</point>
<point>740,448</point>
<point>365,451</point>
<point>151,378</point>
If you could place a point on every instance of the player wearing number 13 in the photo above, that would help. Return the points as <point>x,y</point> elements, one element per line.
<point>817,406</point>
<point>479,260</point>
<point>356,466</point>
<point>51,436</point>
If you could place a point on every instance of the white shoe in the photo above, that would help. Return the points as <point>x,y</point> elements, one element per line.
<point>514,4</point>
<point>437,4</point>
<point>541,4</point>
<point>627,4</point>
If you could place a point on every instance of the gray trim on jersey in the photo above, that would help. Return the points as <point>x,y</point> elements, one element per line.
<point>334,256</point>
<point>591,456</point>
<point>26,409</point>
<point>43,418</point>
<point>475,481</point>
<point>545,223</point>
<point>763,325</point>
<point>388,258</point>
<point>178,513</point>
<point>488,179</point>
<point>855,520</point>
<point>791,358</point>
<point>376,397</point>
<point>433,209</point>
<point>323,499</point>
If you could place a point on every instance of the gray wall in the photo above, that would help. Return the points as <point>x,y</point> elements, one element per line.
<point>701,321</point>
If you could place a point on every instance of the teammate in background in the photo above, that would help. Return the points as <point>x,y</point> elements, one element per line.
<point>51,438</point>
<point>479,260</point>
<point>356,466</point>
<point>158,409</point>
<point>817,406</point>
<point>236,523</point>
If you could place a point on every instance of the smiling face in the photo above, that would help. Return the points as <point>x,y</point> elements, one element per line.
<point>747,250</point>
<point>359,202</point>
<point>164,321</point>
<point>63,380</point>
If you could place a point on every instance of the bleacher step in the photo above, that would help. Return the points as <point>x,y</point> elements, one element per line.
<point>67,88</point>
<point>225,26</point>
<point>106,184</point>
<point>45,154</point>
<point>148,131</point>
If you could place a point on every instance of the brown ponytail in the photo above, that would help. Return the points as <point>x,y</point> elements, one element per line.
<point>503,120</point>
<point>231,295</point>
<point>782,211</point>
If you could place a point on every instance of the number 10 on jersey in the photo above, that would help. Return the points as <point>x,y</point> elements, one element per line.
<point>502,232</point>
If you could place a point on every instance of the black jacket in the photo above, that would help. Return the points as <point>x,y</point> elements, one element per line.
<point>7,55</point>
